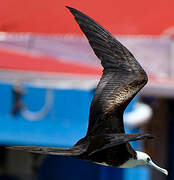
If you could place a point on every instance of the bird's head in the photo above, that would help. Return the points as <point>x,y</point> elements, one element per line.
<point>145,160</point>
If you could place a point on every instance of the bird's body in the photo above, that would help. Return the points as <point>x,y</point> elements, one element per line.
<point>115,156</point>
<point>106,142</point>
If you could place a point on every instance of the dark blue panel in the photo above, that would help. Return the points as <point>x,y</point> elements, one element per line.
<point>65,168</point>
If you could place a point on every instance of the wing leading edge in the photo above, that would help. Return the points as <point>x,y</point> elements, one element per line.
<point>122,77</point>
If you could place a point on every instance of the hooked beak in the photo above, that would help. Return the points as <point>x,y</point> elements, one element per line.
<point>153,165</point>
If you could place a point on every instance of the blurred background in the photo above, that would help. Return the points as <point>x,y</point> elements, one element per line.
<point>48,75</point>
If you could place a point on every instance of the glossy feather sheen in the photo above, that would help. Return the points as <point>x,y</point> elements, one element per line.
<point>122,77</point>
<point>105,141</point>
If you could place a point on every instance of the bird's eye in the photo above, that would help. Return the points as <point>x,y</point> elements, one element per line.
<point>148,159</point>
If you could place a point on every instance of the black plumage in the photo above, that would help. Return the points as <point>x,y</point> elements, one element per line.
<point>123,77</point>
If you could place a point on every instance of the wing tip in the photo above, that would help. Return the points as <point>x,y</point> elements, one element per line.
<point>72,10</point>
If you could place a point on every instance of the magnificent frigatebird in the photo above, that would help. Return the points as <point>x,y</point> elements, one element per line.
<point>106,142</point>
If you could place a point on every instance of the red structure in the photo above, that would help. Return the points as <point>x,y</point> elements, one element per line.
<point>119,17</point>
<point>18,61</point>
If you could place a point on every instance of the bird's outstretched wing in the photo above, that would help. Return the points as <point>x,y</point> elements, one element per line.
<point>122,78</point>
<point>111,140</point>
<point>74,151</point>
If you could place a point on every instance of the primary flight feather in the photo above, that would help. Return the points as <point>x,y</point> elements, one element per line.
<point>106,142</point>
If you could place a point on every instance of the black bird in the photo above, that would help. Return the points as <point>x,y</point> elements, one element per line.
<point>106,142</point>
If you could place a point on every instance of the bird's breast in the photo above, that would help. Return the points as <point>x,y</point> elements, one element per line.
<point>129,164</point>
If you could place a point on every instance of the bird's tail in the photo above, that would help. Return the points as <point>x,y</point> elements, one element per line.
<point>49,150</point>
